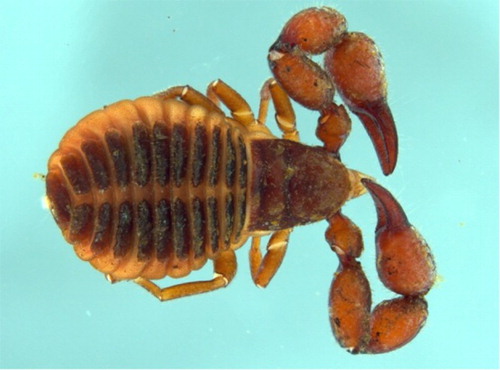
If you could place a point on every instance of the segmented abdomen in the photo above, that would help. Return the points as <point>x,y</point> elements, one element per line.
<point>150,188</point>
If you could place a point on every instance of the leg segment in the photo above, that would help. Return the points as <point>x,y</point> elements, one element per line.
<point>224,271</point>
<point>189,95</point>
<point>285,116</point>
<point>240,110</point>
<point>263,269</point>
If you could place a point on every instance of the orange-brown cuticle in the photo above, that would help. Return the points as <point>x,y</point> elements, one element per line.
<point>314,30</point>
<point>334,126</point>
<point>357,69</point>
<point>404,262</point>
<point>395,323</point>
<point>136,194</point>
<point>303,80</point>
<point>349,306</point>
<point>344,237</point>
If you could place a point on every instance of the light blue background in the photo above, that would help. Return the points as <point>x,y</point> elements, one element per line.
<point>62,59</point>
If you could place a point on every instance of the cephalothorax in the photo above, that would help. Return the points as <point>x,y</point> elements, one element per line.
<point>157,186</point>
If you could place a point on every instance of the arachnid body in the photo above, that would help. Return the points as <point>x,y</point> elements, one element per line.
<point>159,185</point>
